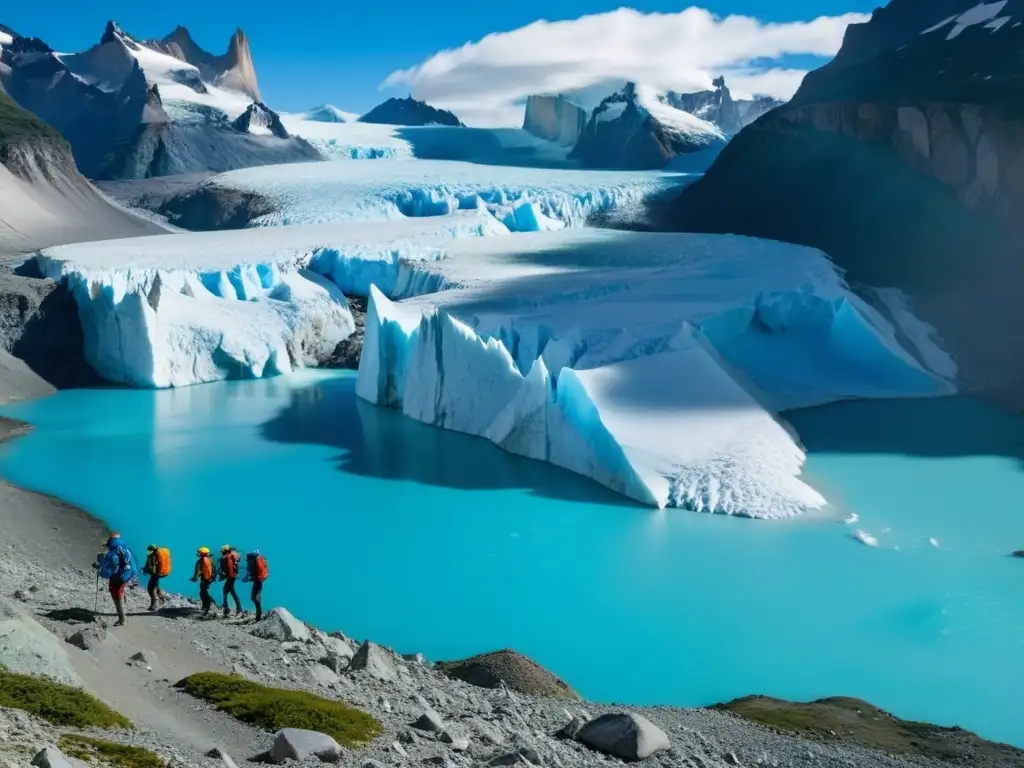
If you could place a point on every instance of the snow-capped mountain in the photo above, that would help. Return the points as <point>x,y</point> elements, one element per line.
<point>718,107</point>
<point>636,128</point>
<point>328,113</point>
<point>260,120</point>
<point>134,109</point>
<point>409,111</point>
<point>901,159</point>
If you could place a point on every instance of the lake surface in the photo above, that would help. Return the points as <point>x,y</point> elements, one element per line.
<point>436,542</point>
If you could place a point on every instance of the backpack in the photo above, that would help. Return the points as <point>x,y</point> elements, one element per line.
<point>118,562</point>
<point>163,562</point>
<point>206,568</point>
<point>257,567</point>
<point>229,565</point>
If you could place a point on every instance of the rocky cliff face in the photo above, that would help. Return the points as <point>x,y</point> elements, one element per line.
<point>555,118</point>
<point>409,111</point>
<point>260,120</point>
<point>904,160</point>
<point>234,70</point>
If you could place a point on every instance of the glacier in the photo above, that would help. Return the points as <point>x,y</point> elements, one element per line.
<point>656,364</point>
<point>155,314</point>
<point>316,193</point>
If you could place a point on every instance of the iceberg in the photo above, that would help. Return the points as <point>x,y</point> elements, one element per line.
<point>656,364</point>
<point>316,193</point>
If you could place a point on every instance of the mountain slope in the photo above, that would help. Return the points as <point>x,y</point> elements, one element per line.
<point>133,110</point>
<point>719,108</point>
<point>903,160</point>
<point>635,129</point>
<point>43,199</point>
<point>409,112</point>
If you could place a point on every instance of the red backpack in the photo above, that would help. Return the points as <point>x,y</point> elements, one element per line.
<point>257,565</point>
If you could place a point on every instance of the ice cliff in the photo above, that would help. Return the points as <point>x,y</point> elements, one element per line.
<point>655,364</point>
<point>157,322</point>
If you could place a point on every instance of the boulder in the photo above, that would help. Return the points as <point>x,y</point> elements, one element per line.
<point>299,744</point>
<point>28,648</point>
<point>322,676</point>
<point>335,662</point>
<point>335,643</point>
<point>51,757</point>
<point>280,625</point>
<point>625,735</point>
<point>429,720</point>
<point>508,668</point>
<point>90,638</point>
<point>459,741</point>
<point>374,661</point>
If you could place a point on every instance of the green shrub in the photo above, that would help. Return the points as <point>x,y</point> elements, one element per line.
<point>56,703</point>
<point>275,708</point>
<point>118,755</point>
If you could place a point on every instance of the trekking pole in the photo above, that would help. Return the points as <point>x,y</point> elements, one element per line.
<point>96,596</point>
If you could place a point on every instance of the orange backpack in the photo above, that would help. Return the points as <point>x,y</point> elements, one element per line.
<point>163,562</point>
<point>206,568</point>
<point>257,567</point>
<point>229,565</point>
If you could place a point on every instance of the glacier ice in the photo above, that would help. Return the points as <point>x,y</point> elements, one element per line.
<point>308,193</point>
<point>653,363</point>
<point>154,322</point>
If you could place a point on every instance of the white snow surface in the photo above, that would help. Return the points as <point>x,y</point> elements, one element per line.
<point>982,13</point>
<point>328,113</point>
<point>107,66</point>
<point>676,120</point>
<point>310,193</point>
<point>352,140</point>
<point>653,363</point>
<point>5,39</point>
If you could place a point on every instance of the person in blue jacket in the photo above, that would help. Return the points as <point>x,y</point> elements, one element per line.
<point>117,566</point>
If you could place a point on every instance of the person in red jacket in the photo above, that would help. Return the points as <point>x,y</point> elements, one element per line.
<point>228,567</point>
<point>204,574</point>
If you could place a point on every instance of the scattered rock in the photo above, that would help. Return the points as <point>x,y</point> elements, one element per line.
<point>298,744</point>
<point>524,754</point>
<point>459,741</point>
<point>570,730</point>
<point>625,735</point>
<point>730,758</point>
<point>399,749</point>
<point>370,763</point>
<point>335,662</point>
<point>280,625</point>
<point>219,754</point>
<point>374,660</point>
<point>51,757</point>
<point>429,720</point>
<point>143,658</point>
<point>90,638</point>
<point>516,671</point>
<point>28,648</point>
<point>21,595</point>
<point>443,760</point>
<point>335,643</point>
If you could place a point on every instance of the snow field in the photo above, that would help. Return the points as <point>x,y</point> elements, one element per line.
<point>316,193</point>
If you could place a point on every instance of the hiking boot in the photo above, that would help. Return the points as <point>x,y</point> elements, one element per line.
<point>227,612</point>
<point>239,612</point>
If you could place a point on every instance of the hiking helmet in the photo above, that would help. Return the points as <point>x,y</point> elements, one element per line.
<point>226,548</point>
<point>151,548</point>
<point>204,551</point>
<point>114,540</point>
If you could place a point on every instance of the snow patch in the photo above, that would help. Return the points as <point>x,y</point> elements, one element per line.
<point>983,13</point>
<point>865,538</point>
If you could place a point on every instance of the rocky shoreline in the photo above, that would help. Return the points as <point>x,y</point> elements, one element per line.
<point>430,714</point>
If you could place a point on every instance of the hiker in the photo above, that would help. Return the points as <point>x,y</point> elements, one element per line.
<point>203,573</point>
<point>118,567</point>
<point>158,566</point>
<point>256,572</point>
<point>229,560</point>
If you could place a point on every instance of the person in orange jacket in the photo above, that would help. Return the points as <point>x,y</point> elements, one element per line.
<point>228,567</point>
<point>204,574</point>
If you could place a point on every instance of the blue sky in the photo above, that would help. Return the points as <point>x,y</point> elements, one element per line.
<point>340,52</point>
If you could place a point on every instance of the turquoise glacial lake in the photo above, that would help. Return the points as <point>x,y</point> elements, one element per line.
<point>436,542</point>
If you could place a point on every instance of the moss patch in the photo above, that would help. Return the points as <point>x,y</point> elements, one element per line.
<point>109,752</point>
<point>17,124</point>
<point>275,708</point>
<point>857,722</point>
<point>56,703</point>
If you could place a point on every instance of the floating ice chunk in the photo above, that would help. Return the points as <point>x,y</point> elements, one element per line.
<point>934,542</point>
<point>852,518</point>
<point>865,538</point>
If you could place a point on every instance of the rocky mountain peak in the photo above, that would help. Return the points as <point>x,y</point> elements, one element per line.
<point>111,33</point>
<point>409,111</point>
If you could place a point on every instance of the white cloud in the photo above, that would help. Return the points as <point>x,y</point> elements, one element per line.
<point>486,82</point>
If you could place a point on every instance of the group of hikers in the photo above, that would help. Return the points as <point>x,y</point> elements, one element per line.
<point>118,566</point>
